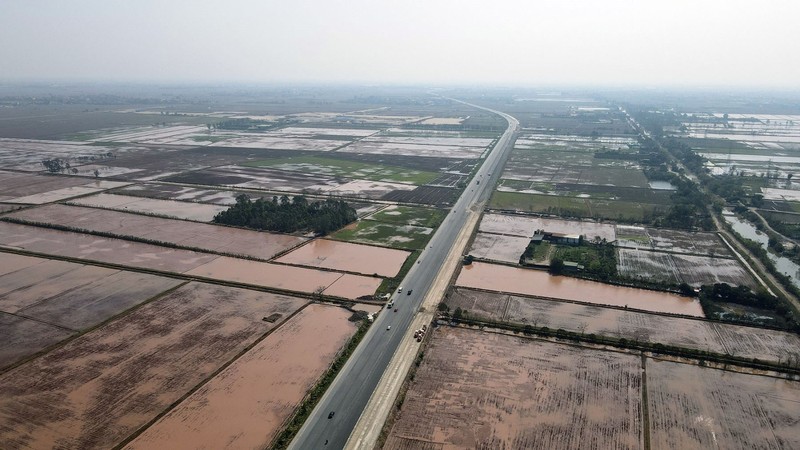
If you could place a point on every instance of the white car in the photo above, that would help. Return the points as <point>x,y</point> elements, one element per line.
<point>400,289</point>
<point>388,328</point>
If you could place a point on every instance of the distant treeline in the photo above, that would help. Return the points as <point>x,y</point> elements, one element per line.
<point>287,216</point>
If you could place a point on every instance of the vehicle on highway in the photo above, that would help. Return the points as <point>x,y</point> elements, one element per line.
<point>388,328</point>
<point>330,415</point>
<point>410,291</point>
<point>399,289</point>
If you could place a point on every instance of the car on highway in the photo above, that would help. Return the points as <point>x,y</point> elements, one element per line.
<point>330,414</point>
<point>400,289</point>
<point>388,328</point>
<point>410,291</point>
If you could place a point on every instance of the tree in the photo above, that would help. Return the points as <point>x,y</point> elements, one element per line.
<point>556,266</point>
<point>54,165</point>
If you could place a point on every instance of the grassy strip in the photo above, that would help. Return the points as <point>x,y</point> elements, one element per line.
<point>389,285</point>
<point>284,438</point>
<point>633,344</point>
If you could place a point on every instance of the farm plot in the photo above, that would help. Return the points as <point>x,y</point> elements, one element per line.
<point>427,195</point>
<point>425,140</point>
<point>501,278</point>
<point>484,390</point>
<point>526,226</point>
<point>100,387</point>
<point>346,168</point>
<point>246,405</point>
<point>348,257</point>
<point>575,207</point>
<point>646,265</point>
<point>410,215</point>
<point>15,184</point>
<point>699,270</point>
<point>105,250</point>
<point>199,212</point>
<point>498,247</point>
<point>674,241</point>
<point>259,178</point>
<point>66,193</point>
<point>187,262</point>
<point>27,155</point>
<point>21,337</point>
<point>590,319</point>
<point>75,296</point>
<point>418,150</point>
<point>371,189</point>
<point>180,193</point>
<point>290,278</point>
<point>677,268</point>
<point>260,140</point>
<point>385,234</point>
<point>720,409</point>
<point>320,133</point>
<point>573,168</point>
<point>230,240</point>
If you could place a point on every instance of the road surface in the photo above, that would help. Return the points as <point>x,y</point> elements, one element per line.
<point>352,388</point>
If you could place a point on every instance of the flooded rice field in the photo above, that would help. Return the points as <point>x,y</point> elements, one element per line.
<point>484,390</point>
<point>100,387</point>
<point>344,256</point>
<point>188,262</point>
<point>527,225</point>
<point>290,278</point>
<point>720,409</point>
<point>246,404</point>
<point>66,193</point>
<point>15,184</point>
<point>259,178</point>
<point>538,283</point>
<point>679,268</point>
<point>718,337</point>
<point>21,337</point>
<point>258,140</point>
<point>106,250</point>
<point>416,150</point>
<point>420,140</point>
<point>674,241</point>
<point>75,296</point>
<point>499,247</point>
<point>169,208</point>
<point>181,193</point>
<point>230,240</point>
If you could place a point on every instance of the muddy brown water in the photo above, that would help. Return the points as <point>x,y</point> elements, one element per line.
<point>535,282</point>
<point>100,387</point>
<point>246,404</point>
<point>349,257</point>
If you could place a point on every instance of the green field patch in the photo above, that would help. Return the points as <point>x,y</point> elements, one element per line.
<point>347,169</point>
<point>570,206</point>
<point>577,207</point>
<point>385,234</point>
<point>410,215</point>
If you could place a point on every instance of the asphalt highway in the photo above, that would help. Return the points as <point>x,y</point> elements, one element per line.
<point>352,388</point>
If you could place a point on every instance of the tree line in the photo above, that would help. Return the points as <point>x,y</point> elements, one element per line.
<point>286,216</point>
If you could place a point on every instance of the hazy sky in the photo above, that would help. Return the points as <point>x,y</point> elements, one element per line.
<point>589,42</point>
